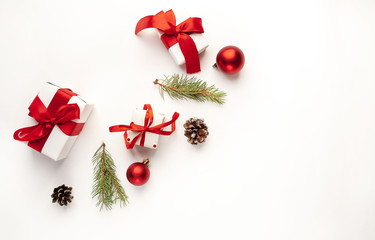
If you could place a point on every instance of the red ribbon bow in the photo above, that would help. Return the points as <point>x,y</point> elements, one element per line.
<point>145,128</point>
<point>57,113</point>
<point>166,22</point>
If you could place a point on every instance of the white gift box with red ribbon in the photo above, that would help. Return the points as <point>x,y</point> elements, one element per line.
<point>58,144</point>
<point>151,140</point>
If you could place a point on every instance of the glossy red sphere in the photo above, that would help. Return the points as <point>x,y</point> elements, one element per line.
<point>138,173</point>
<point>230,59</point>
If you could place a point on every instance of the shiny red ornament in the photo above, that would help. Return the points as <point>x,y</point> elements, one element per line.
<point>230,59</point>
<point>138,173</point>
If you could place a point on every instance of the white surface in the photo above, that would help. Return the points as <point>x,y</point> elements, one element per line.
<point>289,156</point>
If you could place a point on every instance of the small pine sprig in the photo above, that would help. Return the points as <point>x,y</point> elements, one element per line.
<point>107,187</point>
<point>184,88</point>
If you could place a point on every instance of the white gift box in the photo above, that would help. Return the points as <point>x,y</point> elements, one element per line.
<point>199,39</point>
<point>151,139</point>
<point>175,50</point>
<point>58,144</point>
<point>169,22</point>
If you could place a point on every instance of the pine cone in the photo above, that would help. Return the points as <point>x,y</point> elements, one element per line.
<point>62,195</point>
<point>195,130</point>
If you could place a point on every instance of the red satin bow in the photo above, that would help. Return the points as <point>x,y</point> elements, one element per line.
<point>57,113</point>
<point>166,22</point>
<point>145,128</point>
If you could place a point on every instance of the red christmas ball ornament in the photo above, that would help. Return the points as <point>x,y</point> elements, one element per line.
<point>230,59</point>
<point>138,173</point>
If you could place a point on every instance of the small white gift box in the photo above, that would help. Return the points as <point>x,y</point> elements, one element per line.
<point>151,140</point>
<point>145,128</point>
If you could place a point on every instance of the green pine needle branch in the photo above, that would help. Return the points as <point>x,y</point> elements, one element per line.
<point>107,187</point>
<point>184,87</point>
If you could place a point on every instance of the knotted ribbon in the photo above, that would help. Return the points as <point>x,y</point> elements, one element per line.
<point>149,118</point>
<point>166,22</point>
<point>58,113</point>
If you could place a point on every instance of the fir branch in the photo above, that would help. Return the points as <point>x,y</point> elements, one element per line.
<point>107,187</point>
<point>184,88</point>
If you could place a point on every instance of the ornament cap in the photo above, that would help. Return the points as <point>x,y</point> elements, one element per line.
<point>146,162</point>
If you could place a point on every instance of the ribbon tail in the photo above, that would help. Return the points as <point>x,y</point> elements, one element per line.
<point>162,21</point>
<point>190,52</point>
<point>157,129</point>
<point>120,128</point>
<point>31,133</point>
<point>143,23</point>
<point>36,135</point>
<point>125,128</point>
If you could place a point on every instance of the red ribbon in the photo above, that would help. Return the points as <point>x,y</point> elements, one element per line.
<point>145,128</point>
<point>58,112</point>
<point>166,22</point>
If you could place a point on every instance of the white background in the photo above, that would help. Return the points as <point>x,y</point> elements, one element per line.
<point>289,156</point>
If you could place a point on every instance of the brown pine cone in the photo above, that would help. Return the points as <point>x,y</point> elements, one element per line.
<point>62,195</point>
<point>195,130</point>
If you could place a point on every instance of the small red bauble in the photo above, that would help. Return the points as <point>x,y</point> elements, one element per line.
<point>230,59</point>
<point>138,173</point>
